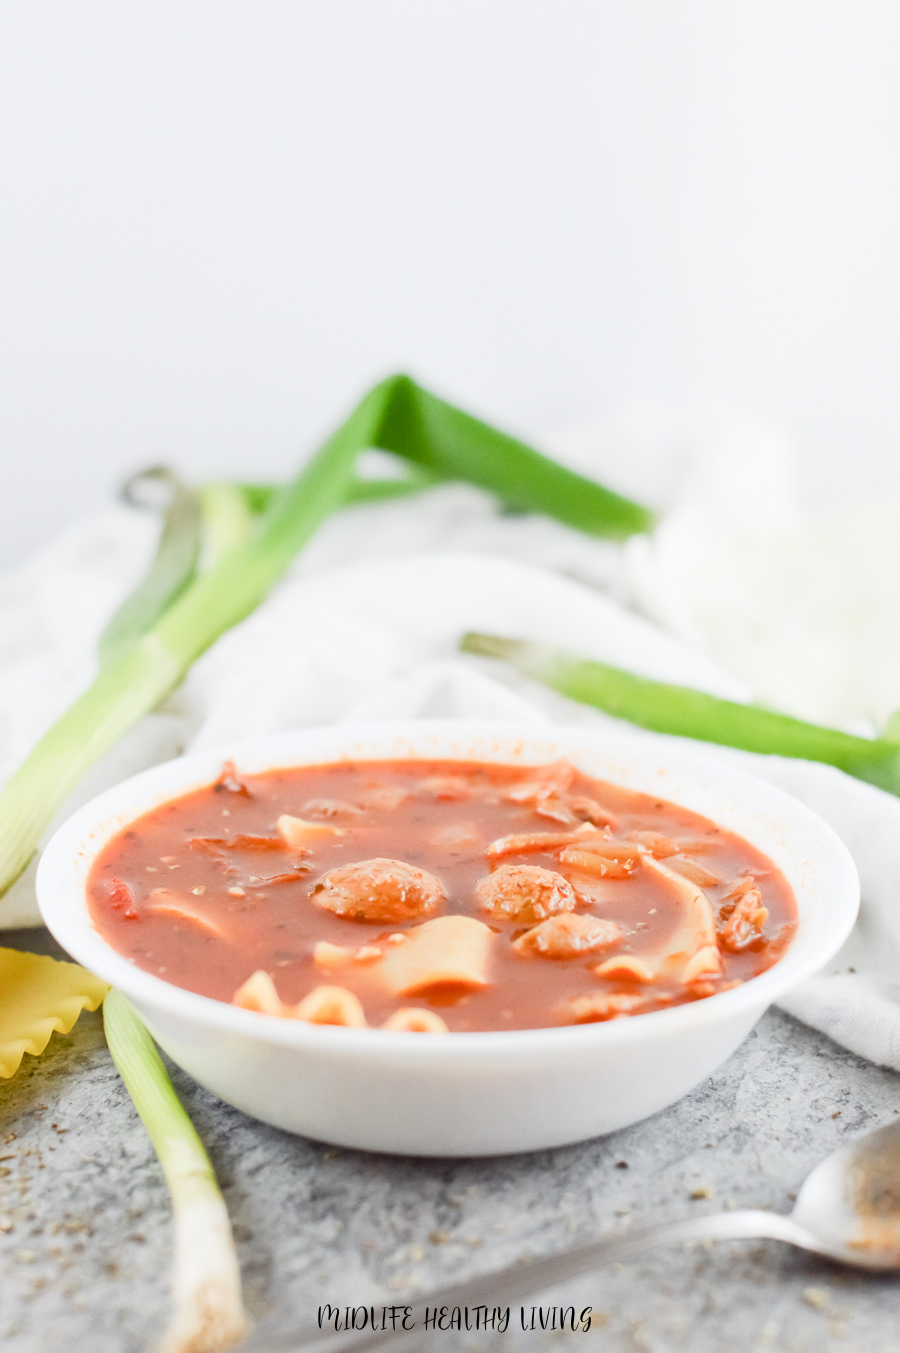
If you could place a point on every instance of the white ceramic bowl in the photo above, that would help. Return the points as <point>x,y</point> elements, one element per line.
<point>465,1093</point>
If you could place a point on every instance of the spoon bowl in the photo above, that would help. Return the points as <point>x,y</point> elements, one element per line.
<point>852,1201</point>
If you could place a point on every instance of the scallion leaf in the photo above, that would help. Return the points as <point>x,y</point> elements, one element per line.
<point>173,568</point>
<point>229,516</point>
<point>688,713</point>
<point>452,443</point>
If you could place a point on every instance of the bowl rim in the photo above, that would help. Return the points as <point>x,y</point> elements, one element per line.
<point>68,857</point>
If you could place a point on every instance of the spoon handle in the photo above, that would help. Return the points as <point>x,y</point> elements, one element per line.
<point>508,1285</point>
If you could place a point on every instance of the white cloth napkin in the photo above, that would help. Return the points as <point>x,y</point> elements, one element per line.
<point>379,640</point>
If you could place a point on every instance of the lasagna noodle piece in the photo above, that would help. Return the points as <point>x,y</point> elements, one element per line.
<point>593,1009</point>
<point>589,810</point>
<point>324,1005</point>
<point>711,986</point>
<point>40,996</point>
<point>328,955</point>
<point>625,968</point>
<point>592,891</point>
<point>661,846</point>
<point>548,794</point>
<point>258,993</point>
<point>600,864</point>
<point>450,951</point>
<point>600,843</point>
<point>695,871</point>
<point>527,843</point>
<point>554,809</point>
<point>168,902</point>
<point>367,953</point>
<point>697,929</point>
<point>218,845</point>
<point>705,963</point>
<point>302,835</point>
<point>411,1020</point>
<point>572,810</point>
<point>330,1005</point>
<point>567,935</point>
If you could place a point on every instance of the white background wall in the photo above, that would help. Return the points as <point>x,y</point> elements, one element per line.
<point>221,221</point>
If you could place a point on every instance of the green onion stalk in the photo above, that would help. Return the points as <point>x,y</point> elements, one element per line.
<point>687,713</point>
<point>158,634</point>
<point>208,1313</point>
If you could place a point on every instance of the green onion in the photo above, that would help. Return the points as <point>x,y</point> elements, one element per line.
<point>209,1314</point>
<point>172,570</point>
<point>688,713</point>
<point>414,479</point>
<point>231,511</point>
<point>142,667</point>
<point>455,445</point>
<point>229,517</point>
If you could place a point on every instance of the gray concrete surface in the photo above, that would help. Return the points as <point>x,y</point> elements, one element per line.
<point>85,1234</point>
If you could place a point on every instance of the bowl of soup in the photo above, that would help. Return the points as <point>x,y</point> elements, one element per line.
<point>446,937</point>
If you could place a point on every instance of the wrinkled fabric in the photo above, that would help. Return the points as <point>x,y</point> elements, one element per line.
<point>379,639</point>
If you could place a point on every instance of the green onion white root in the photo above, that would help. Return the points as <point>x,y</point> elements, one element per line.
<point>208,1313</point>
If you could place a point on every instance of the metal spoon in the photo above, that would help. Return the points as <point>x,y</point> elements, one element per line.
<point>848,1210</point>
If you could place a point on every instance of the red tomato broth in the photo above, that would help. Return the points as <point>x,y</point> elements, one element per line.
<point>449,813</point>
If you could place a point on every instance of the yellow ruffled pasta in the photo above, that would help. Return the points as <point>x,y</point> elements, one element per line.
<point>40,996</point>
